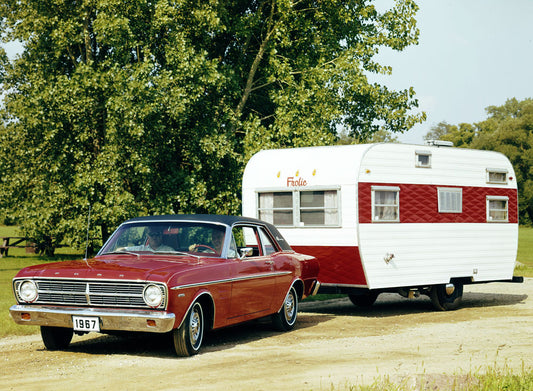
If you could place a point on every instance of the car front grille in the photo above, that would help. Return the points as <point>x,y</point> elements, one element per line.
<point>94,293</point>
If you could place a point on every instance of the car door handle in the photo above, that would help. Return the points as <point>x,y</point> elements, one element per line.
<point>269,262</point>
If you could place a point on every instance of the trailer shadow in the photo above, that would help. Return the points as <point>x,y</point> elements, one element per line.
<point>391,304</point>
<point>160,345</point>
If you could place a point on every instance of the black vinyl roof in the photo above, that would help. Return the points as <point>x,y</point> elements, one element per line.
<point>204,218</point>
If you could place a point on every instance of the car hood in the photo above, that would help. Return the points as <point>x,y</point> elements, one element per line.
<point>118,267</point>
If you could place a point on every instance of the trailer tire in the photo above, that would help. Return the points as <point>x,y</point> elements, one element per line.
<point>364,300</point>
<point>446,297</point>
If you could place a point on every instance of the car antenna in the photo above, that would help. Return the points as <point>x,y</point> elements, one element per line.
<point>87,240</point>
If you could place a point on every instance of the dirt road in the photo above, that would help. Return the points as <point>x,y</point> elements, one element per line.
<point>333,346</point>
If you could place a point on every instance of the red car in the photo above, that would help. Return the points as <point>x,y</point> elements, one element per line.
<point>178,274</point>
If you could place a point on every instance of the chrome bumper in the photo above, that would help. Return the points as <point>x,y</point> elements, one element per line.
<point>110,319</point>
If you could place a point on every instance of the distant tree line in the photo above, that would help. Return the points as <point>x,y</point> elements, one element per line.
<point>509,130</point>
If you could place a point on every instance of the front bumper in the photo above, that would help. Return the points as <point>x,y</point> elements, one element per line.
<point>110,319</point>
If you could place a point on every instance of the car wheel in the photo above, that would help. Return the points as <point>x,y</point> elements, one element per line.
<point>446,297</point>
<point>285,319</point>
<point>365,300</point>
<point>188,337</point>
<point>56,338</point>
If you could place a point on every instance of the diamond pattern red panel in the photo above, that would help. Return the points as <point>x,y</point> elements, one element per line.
<point>338,264</point>
<point>419,203</point>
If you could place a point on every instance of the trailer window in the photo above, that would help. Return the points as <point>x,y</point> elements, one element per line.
<point>276,208</point>
<point>318,208</point>
<point>309,208</point>
<point>450,200</point>
<point>385,204</point>
<point>497,209</point>
<point>496,176</point>
<point>423,159</point>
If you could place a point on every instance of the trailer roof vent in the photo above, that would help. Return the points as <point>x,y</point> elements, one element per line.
<point>439,143</point>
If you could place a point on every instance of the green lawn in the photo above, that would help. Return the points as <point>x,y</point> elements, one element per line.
<point>525,252</point>
<point>9,266</point>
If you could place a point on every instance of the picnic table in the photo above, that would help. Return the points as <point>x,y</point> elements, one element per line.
<point>15,242</point>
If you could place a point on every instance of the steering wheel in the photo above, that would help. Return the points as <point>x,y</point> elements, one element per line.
<point>205,246</point>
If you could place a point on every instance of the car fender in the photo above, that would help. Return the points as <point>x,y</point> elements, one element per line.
<point>208,303</point>
<point>298,284</point>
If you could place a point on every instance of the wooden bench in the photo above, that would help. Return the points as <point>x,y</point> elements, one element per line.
<point>14,242</point>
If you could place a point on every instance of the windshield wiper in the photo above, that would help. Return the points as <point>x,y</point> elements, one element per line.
<point>175,252</point>
<point>123,252</point>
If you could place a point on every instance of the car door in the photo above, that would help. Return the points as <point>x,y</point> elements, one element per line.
<point>254,279</point>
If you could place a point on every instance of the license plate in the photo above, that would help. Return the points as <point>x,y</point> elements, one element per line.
<point>86,323</point>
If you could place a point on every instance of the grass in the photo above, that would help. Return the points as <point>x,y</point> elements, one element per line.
<point>491,379</point>
<point>9,266</point>
<point>525,252</point>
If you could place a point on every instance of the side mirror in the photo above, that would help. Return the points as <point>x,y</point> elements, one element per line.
<point>246,252</point>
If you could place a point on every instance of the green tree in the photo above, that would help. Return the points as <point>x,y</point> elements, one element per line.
<point>143,107</point>
<point>380,136</point>
<point>461,135</point>
<point>509,130</point>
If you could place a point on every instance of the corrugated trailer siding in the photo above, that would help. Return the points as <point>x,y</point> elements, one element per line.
<point>431,247</point>
<point>319,166</point>
<point>449,166</point>
<point>434,253</point>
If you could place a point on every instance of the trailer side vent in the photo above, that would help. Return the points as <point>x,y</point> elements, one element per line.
<point>450,200</point>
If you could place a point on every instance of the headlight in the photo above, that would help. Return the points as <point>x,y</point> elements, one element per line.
<point>27,291</point>
<point>153,296</point>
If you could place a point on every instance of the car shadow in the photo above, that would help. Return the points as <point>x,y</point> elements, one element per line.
<point>392,304</point>
<point>255,330</point>
<point>311,314</point>
<point>160,345</point>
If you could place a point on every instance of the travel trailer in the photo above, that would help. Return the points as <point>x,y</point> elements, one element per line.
<point>411,219</point>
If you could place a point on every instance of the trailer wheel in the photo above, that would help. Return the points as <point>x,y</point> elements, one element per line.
<point>365,300</point>
<point>446,297</point>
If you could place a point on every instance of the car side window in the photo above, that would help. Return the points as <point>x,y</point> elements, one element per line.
<point>268,245</point>
<point>232,250</point>
<point>246,241</point>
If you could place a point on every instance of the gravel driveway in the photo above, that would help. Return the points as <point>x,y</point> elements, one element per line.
<point>333,346</point>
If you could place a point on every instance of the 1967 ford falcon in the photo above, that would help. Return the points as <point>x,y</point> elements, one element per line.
<point>176,274</point>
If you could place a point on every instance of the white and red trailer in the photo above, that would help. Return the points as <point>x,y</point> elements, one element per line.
<point>399,218</point>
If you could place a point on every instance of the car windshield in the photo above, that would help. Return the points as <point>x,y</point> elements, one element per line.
<point>172,238</point>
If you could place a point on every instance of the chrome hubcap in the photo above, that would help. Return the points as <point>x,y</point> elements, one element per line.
<point>195,326</point>
<point>289,307</point>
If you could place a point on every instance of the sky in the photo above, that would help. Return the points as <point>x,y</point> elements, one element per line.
<point>471,54</point>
